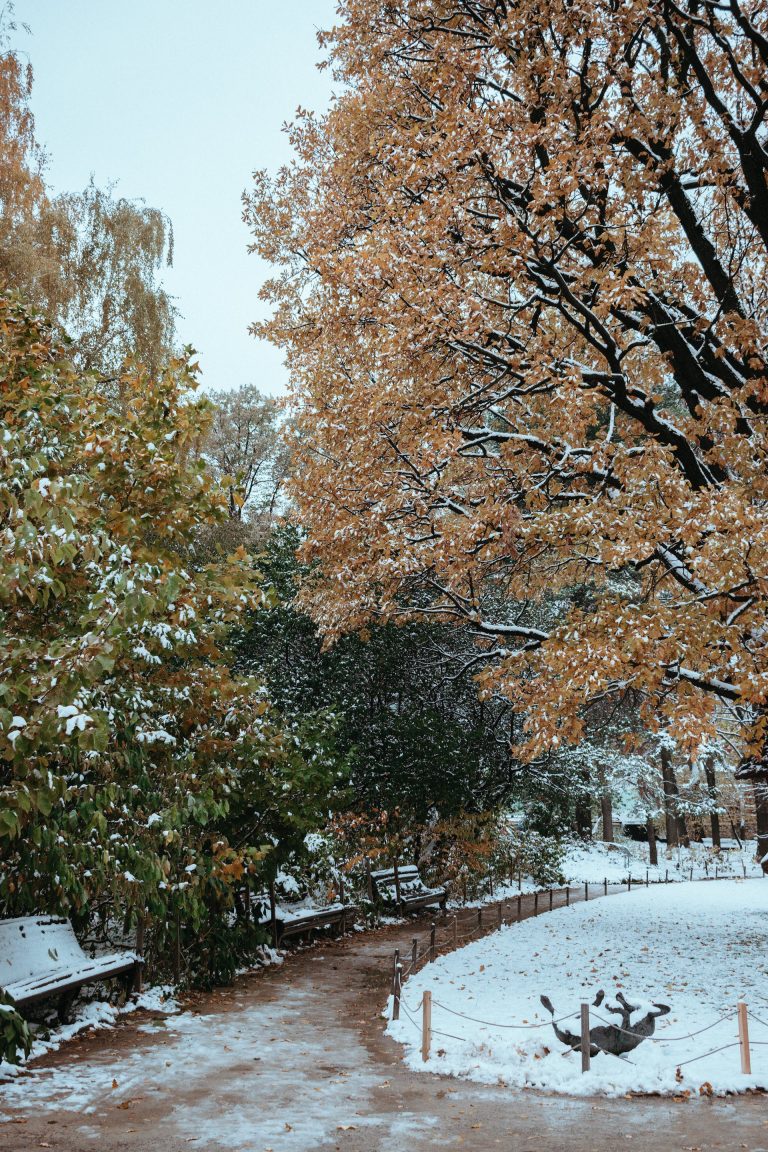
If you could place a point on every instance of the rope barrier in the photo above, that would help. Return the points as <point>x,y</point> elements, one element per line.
<point>659,1039</point>
<point>495,1024</point>
<point>704,1055</point>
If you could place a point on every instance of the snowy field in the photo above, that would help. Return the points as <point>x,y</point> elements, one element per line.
<point>697,947</point>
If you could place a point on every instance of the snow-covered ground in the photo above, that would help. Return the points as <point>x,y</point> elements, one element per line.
<point>698,947</point>
<point>597,861</point>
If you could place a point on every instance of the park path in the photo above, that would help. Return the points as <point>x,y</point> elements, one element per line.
<point>294,1059</point>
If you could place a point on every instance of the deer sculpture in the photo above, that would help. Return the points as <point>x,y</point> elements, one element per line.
<point>617,1039</point>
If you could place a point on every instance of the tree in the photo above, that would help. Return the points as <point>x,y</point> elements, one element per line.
<point>407,718</point>
<point>522,295</point>
<point>247,452</point>
<point>146,777</point>
<point>88,260</point>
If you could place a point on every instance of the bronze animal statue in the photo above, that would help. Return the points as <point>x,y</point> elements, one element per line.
<point>617,1039</point>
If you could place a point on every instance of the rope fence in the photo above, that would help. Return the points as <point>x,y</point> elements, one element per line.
<point>423,953</point>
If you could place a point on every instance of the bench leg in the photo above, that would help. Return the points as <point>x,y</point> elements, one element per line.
<point>64,1006</point>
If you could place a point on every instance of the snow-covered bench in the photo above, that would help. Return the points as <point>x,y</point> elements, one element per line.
<point>40,958</point>
<point>402,887</point>
<point>285,921</point>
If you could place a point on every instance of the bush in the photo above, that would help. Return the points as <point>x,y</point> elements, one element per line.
<point>15,1037</point>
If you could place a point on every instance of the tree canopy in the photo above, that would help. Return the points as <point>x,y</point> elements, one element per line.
<point>522,295</point>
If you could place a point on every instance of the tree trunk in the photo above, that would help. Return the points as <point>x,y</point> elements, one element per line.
<point>583,813</point>
<point>653,854</point>
<point>668,781</point>
<point>714,819</point>
<point>606,807</point>
<point>761,814</point>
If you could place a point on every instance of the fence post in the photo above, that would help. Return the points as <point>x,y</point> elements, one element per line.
<point>629,882</point>
<point>535,903</point>
<point>605,886</point>
<point>455,931</point>
<point>551,897</point>
<point>500,913</point>
<point>479,919</point>
<point>426,1025</point>
<point>647,881</point>
<point>666,875</point>
<point>396,995</point>
<point>432,931</point>
<point>414,950</point>
<point>746,1062</point>
<point>395,963</point>
<point>368,879</point>
<point>584,1036</point>
<point>519,907</point>
<point>586,889</point>
<point>567,896</point>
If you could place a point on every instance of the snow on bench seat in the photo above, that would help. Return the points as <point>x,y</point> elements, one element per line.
<point>401,886</point>
<point>41,957</point>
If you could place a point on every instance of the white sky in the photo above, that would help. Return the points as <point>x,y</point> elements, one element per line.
<point>179,101</point>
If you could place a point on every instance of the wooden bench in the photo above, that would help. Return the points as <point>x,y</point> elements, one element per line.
<point>401,887</point>
<point>285,921</point>
<point>40,958</point>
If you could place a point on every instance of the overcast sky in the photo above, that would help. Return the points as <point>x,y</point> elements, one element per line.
<point>179,101</point>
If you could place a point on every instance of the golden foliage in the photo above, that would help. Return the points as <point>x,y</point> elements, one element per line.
<point>522,295</point>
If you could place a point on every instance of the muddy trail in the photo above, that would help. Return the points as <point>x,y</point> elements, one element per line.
<point>295,1058</point>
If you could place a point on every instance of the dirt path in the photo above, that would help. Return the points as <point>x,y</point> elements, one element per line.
<point>295,1058</point>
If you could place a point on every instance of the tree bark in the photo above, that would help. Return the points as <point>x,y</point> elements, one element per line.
<point>714,818</point>
<point>761,814</point>
<point>668,781</point>
<point>653,853</point>
<point>606,807</point>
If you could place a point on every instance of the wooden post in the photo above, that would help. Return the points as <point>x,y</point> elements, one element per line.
<point>586,889</point>
<point>567,896</point>
<point>691,871</point>
<point>432,932</point>
<point>746,1062</point>
<point>666,876</point>
<point>647,881</point>
<point>455,931</point>
<point>414,950</point>
<point>464,884</point>
<point>426,1025</point>
<point>397,989</point>
<point>368,879</point>
<point>519,907</point>
<point>551,897</point>
<point>479,919</point>
<point>500,912</point>
<point>535,903</point>
<point>395,966</point>
<point>605,886</point>
<point>629,882</point>
<point>140,930</point>
<point>584,1036</point>
<point>397,887</point>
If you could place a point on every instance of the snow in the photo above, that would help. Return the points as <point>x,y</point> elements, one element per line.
<point>96,1015</point>
<point>699,947</point>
